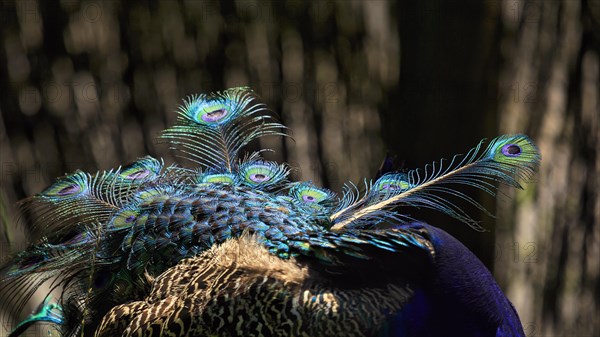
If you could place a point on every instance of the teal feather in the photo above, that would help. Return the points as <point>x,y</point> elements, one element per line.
<point>263,175</point>
<point>391,183</point>
<point>313,197</point>
<point>127,180</point>
<point>47,311</point>
<point>69,203</point>
<point>507,159</point>
<point>212,129</point>
<point>143,170</point>
<point>80,198</point>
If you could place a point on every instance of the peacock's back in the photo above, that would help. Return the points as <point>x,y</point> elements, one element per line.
<point>233,247</point>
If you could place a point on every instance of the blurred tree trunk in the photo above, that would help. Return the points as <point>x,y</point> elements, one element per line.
<point>446,100</point>
<point>549,235</point>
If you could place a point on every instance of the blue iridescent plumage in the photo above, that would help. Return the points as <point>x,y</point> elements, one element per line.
<point>121,244</point>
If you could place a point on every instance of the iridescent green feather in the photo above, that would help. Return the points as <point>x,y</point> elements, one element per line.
<point>212,129</point>
<point>262,175</point>
<point>507,159</point>
<point>79,199</point>
<point>117,186</point>
<point>313,198</point>
<point>66,204</point>
<point>48,311</point>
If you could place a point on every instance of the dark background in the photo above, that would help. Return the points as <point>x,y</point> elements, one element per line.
<point>90,84</point>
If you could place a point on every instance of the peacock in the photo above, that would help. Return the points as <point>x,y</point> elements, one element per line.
<point>233,247</point>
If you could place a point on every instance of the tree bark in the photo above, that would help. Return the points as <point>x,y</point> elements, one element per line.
<point>549,234</point>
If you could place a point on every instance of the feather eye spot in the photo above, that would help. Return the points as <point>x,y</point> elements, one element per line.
<point>262,173</point>
<point>67,187</point>
<point>392,182</point>
<point>142,170</point>
<point>141,174</point>
<point>210,112</point>
<point>511,150</point>
<point>214,116</point>
<point>259,177</point>
<point>311,195</point>
<point>309,198</point>
<point>230,118</point>
<point>394,187</point>
<point>69,190</point>
<point>125,220</point>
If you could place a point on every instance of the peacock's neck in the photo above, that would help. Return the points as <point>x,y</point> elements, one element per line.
<point>462,299</point>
